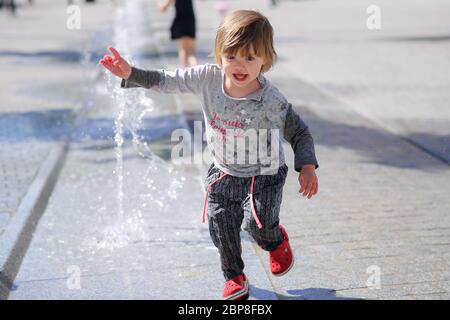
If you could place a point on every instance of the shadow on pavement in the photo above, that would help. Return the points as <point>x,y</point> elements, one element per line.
<point>299,294</point>
<point>382,147</point>
<point>74,56</point>
<point>70,56</point>
<point>170,53</point>
<point>376,146</point>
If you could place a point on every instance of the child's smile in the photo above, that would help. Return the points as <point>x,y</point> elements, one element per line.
<point>240,77</point>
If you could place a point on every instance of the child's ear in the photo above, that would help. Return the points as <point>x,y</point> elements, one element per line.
<point>263,66</point>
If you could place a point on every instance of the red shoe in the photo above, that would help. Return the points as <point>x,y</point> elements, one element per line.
<point>236,288</point>
<point>281,259</point>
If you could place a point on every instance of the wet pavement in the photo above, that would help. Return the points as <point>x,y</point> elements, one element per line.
<point>124,223</point>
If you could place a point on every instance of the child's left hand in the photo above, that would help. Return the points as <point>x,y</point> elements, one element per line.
<point>309,185</point>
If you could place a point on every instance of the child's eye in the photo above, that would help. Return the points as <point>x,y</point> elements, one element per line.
<point>250,58</point>
<point>230,57</point>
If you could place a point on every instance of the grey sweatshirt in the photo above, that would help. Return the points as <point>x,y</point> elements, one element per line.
<point>244,135</point>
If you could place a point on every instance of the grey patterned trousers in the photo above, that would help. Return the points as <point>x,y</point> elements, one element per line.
<point>229,204</point>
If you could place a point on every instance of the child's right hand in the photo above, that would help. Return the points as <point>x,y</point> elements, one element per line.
<point>116,64</point>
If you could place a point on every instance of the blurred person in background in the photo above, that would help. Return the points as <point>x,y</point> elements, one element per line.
<point>222,7</point>
<point>9,4</point>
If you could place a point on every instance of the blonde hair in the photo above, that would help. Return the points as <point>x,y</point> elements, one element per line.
<point>246,29</point>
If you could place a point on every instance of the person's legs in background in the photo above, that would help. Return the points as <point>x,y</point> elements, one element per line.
<point>187,51</point>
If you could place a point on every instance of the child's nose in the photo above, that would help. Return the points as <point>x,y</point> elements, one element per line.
<point>239,64</point>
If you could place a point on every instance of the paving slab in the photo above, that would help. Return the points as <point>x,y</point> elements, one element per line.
<point>378,229</point>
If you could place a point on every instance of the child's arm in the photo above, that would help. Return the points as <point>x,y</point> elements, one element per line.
<point>296,132</point>
<point>180,80</point>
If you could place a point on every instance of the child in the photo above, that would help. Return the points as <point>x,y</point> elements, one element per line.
<point>236,99</point>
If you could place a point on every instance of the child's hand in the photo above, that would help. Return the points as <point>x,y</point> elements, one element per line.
<point>307,178</point>
<point>116,64</point>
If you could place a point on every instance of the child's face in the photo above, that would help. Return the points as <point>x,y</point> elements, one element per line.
<point>241,70</point>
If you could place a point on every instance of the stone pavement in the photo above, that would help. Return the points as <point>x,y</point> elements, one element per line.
<point>43,91</point>
<point>396,76</point>
<point>366,218</point>
<point>378,229</point>
<point>156,248</point>
<point>36,110</point>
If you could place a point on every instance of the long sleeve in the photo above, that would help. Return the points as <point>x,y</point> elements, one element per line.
<point>296,132</point>
<point>178,81</point>
<point>142,78</point>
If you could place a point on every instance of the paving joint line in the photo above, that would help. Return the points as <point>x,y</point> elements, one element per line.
<point>19,233</point>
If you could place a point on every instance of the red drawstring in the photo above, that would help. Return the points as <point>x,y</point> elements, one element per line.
<point>255,216</point>
<point>208,190</point>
